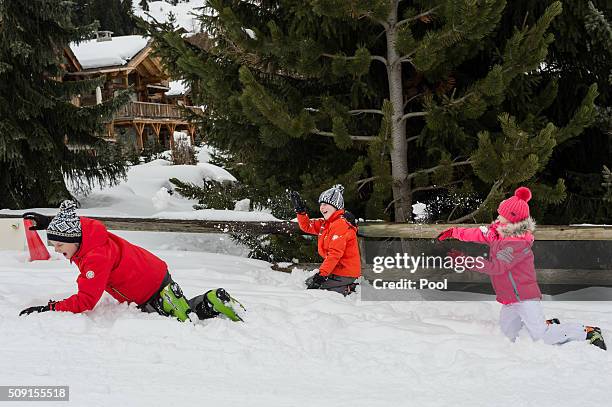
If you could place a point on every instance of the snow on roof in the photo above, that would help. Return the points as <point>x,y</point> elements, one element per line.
<point>118,51</point>
<point>179,87</point>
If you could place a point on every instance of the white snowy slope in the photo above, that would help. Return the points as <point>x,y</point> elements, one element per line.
<point>297,347</point>
<point>183,13</point>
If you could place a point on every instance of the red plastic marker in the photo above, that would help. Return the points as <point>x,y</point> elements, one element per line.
<point>38,250</point>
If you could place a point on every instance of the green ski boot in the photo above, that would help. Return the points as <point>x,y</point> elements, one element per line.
<point>216,302</point>
<point>174,302</point>
<point>594,337</point>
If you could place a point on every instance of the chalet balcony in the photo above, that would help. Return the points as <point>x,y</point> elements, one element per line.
<point>146,111</point>
<point>162,119</point>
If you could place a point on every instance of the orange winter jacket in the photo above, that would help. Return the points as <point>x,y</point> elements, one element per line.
<point>337,244</point>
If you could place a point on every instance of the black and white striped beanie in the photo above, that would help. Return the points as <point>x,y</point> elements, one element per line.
<point>333,196</point>
<point>66,225</point>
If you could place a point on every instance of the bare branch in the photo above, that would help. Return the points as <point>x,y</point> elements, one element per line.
<point>354,138</point>
<point>432,169</point>
<point>363,182</point>
<point>432,187</point>
<point>360,111</point>
<point>412,98</point>
<point>413,114</point>
<point>423,14</point>
<point>372,57</point>
<point>391,204</point>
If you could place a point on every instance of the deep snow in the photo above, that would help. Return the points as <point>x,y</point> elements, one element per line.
<point>297,347</point>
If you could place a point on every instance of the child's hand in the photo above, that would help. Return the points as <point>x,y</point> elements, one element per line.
<point>41,221</point>
<point>448,233</point>
<point>39,308</point>
<point>297,201</point>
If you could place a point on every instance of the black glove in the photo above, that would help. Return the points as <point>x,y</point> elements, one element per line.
<point>315,281</point>
<point>350,218</point>
<point>297,201</point>
<point>41,222</point>
<point>39,308</point>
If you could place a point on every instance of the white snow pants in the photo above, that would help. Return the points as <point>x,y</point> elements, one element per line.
<point>529,313</point>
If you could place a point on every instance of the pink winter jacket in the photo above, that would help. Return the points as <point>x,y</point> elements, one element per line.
<point>510,263</point>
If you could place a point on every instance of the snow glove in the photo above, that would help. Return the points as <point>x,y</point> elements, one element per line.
<point>41,222</point>
<point>447,234</point>
<point>315,282</point>
<point>350,218</point>
<point>39,308</point>
<point>297,201</point>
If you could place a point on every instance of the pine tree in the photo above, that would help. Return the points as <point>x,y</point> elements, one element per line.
<point>44,138</point>
<point>144,4</point>
<point>403,89</point>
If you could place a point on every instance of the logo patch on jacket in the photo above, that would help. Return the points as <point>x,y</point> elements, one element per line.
<point>90,274</point>
<point>505,255</point>
<point>334,237</point>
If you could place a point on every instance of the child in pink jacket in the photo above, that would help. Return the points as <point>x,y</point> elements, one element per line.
<point>510,266</point>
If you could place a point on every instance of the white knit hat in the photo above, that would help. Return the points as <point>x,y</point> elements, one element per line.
<point>333,196</point>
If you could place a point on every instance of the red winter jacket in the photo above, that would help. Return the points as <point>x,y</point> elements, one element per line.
<point>510,264</point>
<point>109,263</point>
<point>337,244</point>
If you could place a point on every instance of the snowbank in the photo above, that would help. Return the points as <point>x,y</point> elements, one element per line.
<point>148,193</point>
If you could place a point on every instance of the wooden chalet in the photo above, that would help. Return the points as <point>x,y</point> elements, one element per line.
<point>125,62</point>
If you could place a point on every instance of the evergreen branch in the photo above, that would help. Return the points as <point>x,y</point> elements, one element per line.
<point>484,203</point>
<point>354,138</point>
<point>360,111</point>
<point>433,169</point>
<point>372,57</point>
<point>417,17</point>
<point>413,114</point>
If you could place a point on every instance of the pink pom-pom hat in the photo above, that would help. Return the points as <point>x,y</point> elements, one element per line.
<point>516,208</point>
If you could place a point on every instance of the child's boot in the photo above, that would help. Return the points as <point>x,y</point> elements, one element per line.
<point>174,303</point>
<point>595,337</point>
<point>214,303</point>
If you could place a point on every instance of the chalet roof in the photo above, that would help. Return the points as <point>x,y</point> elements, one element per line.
<point>101,54</point>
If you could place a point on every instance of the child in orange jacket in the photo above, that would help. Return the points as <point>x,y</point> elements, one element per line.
<point>337,241</point>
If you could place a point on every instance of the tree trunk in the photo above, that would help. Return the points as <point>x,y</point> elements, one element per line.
<point>399,153</point>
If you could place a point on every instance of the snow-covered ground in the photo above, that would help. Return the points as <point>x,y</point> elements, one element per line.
<point>296,347</point>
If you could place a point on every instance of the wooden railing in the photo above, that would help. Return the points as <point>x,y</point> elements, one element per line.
<point>152,111</point>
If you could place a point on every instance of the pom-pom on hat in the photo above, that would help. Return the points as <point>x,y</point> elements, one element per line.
<point>516,208</point>
<point>333,196</point>
<point>66,225</point>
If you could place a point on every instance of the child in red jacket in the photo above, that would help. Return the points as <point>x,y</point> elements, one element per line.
<point>127,272</point>
<point>511,269</point>
<point>337,242</point>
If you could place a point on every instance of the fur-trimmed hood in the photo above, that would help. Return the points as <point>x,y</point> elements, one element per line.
<point>517,228</point>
